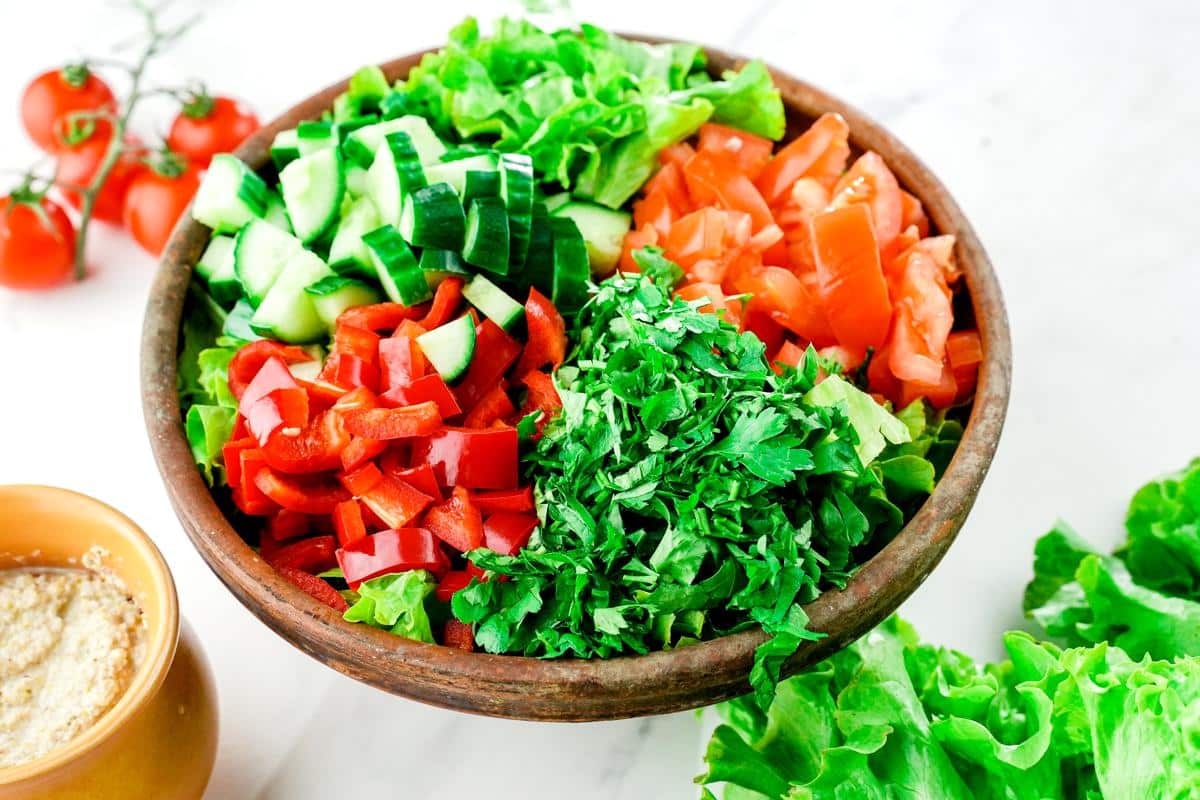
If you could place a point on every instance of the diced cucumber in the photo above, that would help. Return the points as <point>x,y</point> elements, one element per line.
<point>314,136</point>
<point>356,180</point>
<point>396,267</point>
<point>229,196</point>
<point>276,213</point>
<point>215,267</point>
<point>538,270</point>
<point>285,148</point>
<point>395,173</point>
<point>259,253</point>
<point>455,172</point>
<point>349,125</point>
<point>334,294</point>
<point>450,347</point>
<point>237,324</point>
<point>361,146</point>
<point>494,302</point>
<point>556,201</point>
<point>516,187</point>
<point>603,231</point>
<point>287,312</point>
<point>433,216</point>
<point>480,183</point>
<point>348,255</point>
<point>486,240</point>
<point>571,270</point>
<point>441,264</point>
<point>312,188</point>
<point>307,371</point>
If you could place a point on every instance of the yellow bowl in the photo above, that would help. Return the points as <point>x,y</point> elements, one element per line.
<point>160,739</point>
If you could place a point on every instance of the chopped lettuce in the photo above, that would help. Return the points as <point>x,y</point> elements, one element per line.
<point>875,425</point>
<point>396,603</point>
<point>203,380</point>
<point>208,429</point>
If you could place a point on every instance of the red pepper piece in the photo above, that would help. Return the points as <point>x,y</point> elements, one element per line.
<point>317,448</point>
<point>492,406</point>
<point>401,362</point>
<point>314,587</point>
<point>307,495</point>
<point>390,551</point>
<point>446,301</point>
<point>362,480</point>
<point>547,344</point>
<point>421,477</point>
<point>247,362</point>
<point>249,498</point>
<point>307,555</point>
<point>507,500</point>
<point>381,316</point>
<point>395,502</point>
<point>458,635</point>
<point>355,399</point>
<point>541,395</point>
<point>349,371</point>
<point>476,459</point>
<point>356,341</point>
<point>430,388</point>
<point>495,353</point>
<point>348,522</point>
<point>273,400</point>
<point>452,582</point>
<point>506,532</point>
<point>361,450</point>
<point>457,521</point>
<point>386,424</point>
<point>231,455</point>
<point>287,525</point>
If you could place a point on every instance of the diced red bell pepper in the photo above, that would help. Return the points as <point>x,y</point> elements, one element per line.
<point>446,301</point>
<point>401,362</point>
<point>495,352</point>
<point>272,400</point>
<point>356,341</point>
<point>307,555</point>
<point>451,582</point>
<point>390,551</point>
<point>425,389</point>
<point>457,521</point>
<point>348,522</point>
<point>247,362</point>
<point>492,406</point>
<point>458,635</point>
<point>307,495</point>
<point>231,456</point>
<point>248,497</point>
<point>361,480</point>
<point>476,459</point>
<point>314,587</point>
<point>506,532</point>
<point>285,525</point>
<point>356,399</point>
<point>547,342</point>
<point>421,477</point>
<point>380,317</point>
<point>361,450</point>
<point>541,395</point>
<point>385,424</point>
<point>317,448</point>
<point>349,371</point>
<point>504,500</point>
<point>395,501</point>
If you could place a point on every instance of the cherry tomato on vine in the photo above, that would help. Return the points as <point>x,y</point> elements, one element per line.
<point>157,199</point>
<point>37,243</point>
<point>210,125</point>
<point>56,93</point>
<point>78,165</point>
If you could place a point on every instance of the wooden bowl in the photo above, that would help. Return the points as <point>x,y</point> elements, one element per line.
<point>578,690</point>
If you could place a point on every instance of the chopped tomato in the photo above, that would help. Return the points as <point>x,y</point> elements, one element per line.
<point>669,181</point>
<point>912,214</point>
<point>655,211</point>
<point>850,278</point>
<point>635,240</point>
<point>940,393</point>
<point>789,355</point>
<point>678,154</point>
<point>699,235</point>
<point>924,317</point>
<point>749,153</point>
<point>964,348</point>
<point>709,175</point>
<point>457,521</point>
<point>718,302</point>
<point>828,134</point>
<point>869,181</point>
<point>793,304</point>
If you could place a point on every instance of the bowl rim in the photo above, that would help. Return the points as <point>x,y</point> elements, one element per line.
<point>159,650</point>
<point>571,689</point>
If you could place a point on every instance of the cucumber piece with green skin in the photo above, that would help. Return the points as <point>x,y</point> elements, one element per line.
<point>494,302</point>
<point>259,253</point>
<point>314,136</point>
<point>516,187</point>
<point>276,213</point>
<point>334,294</point>
<point>571,270</point>
<point>455,172</point>
<point>349,125</point>
<point>538,270</point>
<point>480,183</point>
<point>312,187</point>
<point>229,196</point>
<point>361,146</point>
<point>486,239</point>
<point>441,264</point>
<point>603,231</point>
<point>215,267</point>
<point>396,267</point>
<point>356,180</point>
<point>237,324</point>
<point>450,347</point>
<point>433,216</point>
<point>285,148</point>
<point>557,201</point>
<point>348,254</point>
<point>287,312</point>
<point>395,173</point>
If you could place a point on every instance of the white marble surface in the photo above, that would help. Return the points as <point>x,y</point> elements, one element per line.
<point>1066,131</point>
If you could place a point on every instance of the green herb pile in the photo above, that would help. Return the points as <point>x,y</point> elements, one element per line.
<point>688,491</point>
<point>593,110</point>
<point>1117,715</point>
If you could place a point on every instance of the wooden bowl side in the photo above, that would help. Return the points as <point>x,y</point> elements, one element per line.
<point>577,690</point>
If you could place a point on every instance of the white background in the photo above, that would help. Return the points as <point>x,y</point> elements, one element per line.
<point>1067,132</point>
